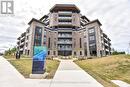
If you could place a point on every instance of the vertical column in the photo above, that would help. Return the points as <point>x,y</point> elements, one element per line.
<point>98,41</point>
<point>87,38</point>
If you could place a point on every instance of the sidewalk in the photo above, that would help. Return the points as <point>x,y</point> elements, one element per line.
<point>10,77</point>
<point>67,75</point>
<point>71,75</point>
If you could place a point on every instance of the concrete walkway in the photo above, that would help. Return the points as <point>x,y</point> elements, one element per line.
<point>121,83</point>
<point>10,77</point>
<point>71,75</point>
<point>67,75</point>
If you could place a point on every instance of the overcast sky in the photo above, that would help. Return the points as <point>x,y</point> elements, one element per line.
<point>113,14</point>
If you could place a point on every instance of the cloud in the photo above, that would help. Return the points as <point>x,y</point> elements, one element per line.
<point>114,16</point>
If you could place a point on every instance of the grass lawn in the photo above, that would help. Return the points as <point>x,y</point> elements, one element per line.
<point>24,66</point>
<point>9,57</point>
<point>108,68</point>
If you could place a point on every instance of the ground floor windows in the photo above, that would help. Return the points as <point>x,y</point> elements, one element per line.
<point>28,52</point>
<point>75,53</point>
<point>64,53</point>
<point>93,53</point>
<point>80,52</point>
<point>48,52</point>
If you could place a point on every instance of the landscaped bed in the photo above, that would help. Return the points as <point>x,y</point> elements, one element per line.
<point>108,68</point>
<point>24,66</point>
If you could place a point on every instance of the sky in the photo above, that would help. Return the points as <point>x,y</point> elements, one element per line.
<point>113,14</point>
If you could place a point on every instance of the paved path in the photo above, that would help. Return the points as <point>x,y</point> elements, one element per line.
<point>71,75</point>
<point>10,77</point>
<point>121,83</point>
<point>67,75</point>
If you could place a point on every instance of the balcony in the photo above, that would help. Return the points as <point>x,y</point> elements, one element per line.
<point>68,49</point>
<point>107,50</point>
<point>65,23</point>
<point>21,49</point>
<point>18,42</point>
<point>64,42</point>
<point>65,13</point>
<point>64,36</point>
<point>65,29</point>
<point>18,38</point>
<point>22,43</point>
<point>65,18</point>
<point>106,44</point>
<point>22,38</point>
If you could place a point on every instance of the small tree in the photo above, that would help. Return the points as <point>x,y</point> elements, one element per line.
<point>117,53</point>
<point>11,51</point>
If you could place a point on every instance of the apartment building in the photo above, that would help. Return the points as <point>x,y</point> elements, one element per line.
<point>21,42</point>
<point>65,32</point>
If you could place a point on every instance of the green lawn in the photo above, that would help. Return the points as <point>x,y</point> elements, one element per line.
<point>24,66</point>
<point>108,68</point>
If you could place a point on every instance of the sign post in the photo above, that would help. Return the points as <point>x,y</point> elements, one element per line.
<point>39,59</point>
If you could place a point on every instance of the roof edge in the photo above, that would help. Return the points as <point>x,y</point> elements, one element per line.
<point>33,19</point>
<point>96,20</point>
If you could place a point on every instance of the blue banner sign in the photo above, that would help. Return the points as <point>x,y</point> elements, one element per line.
<point>40,53</point>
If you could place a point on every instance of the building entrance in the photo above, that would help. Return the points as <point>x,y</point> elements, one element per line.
<point>65,53</point>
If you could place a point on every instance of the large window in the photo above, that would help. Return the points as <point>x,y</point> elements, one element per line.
<point>38,36</point>
<point>91,30</point>
<point>49,42</point>
<point>80,43</point>
<point>91,38</point>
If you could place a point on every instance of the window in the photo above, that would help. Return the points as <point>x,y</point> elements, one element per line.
<point>92,46</point>
<point>62,15</point>
<point>91,38</point>
<point>26,44</point>
<point>54,44</point>
<point>27,37</point>
<point>54,53</point>
<point>49,43</point>
<point>48,52</point>
<point>80,52</point>
<point>80,43</point>
<point>84,34</point>
<point>44,39</point>
<point>38,36</point>
<point>28,52</point>
<point>45,33</point>
<point>64,20</point>
<point>91,30</point>
<point>27,30</point>
<point>74,53</point>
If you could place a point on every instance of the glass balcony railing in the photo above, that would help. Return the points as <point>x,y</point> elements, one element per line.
<point>65,12</point>
<point>64,35</point>
<point>64,42</point>
<point>65,23</point>
<point>64,48</point>
<point>65,18</point>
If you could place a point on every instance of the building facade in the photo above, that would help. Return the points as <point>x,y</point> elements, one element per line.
<point>65,32</point>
